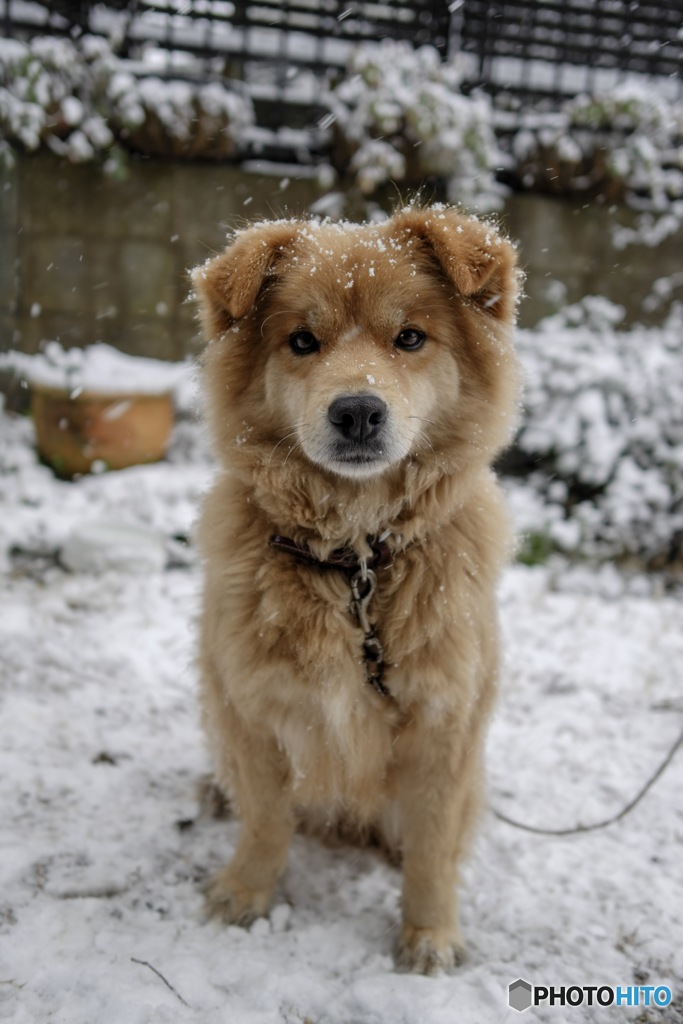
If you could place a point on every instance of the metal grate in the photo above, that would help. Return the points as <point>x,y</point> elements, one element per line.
<point>558,48</point>
<point>315,34</point>
<point>283,51</point>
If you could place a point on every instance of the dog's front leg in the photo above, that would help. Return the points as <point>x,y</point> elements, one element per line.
<point>438,797</point>
<point>243,890</point>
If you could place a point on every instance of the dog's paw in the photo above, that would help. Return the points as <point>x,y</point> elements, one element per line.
<point>428,951</point>
<point>233,903</point>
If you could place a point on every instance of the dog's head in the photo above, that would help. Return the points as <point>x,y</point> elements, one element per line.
<point>361,348</point>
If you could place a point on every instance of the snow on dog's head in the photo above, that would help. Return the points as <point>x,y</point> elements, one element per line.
<point>355,350</point>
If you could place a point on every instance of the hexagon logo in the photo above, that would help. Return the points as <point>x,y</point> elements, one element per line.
<point>519,995</point>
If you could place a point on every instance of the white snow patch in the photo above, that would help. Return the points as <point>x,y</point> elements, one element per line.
<point>99,368</point>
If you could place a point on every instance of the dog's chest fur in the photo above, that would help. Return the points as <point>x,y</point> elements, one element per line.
<point>293,626</point>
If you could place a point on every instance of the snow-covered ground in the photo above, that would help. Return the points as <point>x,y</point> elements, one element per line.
<point>103,848</point>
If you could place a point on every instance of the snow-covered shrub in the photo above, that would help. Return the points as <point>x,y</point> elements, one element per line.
<point>78,98</point>
<point>52,92</point>
<point>602,435</point>
<point>625,141</point>
<point>176,118</point>
<point>646,134</point>
<point>400,115</point>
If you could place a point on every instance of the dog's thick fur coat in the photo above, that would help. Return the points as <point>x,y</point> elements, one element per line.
<point>414,315</point>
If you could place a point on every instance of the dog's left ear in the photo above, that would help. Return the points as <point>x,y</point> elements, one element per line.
<point>476,259</point>
<point>229,285</point>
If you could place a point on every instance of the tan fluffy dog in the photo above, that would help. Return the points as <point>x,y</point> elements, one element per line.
<point>359,380</point>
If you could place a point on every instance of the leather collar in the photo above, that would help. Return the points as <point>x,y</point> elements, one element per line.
<point>343,559</point>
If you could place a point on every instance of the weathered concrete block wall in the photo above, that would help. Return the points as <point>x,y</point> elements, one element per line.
<point>87,259</point>
<point>572,243</point>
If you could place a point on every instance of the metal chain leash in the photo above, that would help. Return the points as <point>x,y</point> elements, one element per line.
<point>363,585</point>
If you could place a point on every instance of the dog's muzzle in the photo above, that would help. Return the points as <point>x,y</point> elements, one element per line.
<point>358,430</point>
<point>356,438</point>
<point>358,420</point>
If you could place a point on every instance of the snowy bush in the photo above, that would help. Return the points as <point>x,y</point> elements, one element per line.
<point>400,115</point>
<point>176,118</point>
<point>78,99</point>
<point>628,141</point>
<point>52,92</point>
<point>602,436</point>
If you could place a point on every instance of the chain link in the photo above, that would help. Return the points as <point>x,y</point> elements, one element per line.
<point>363,585</point>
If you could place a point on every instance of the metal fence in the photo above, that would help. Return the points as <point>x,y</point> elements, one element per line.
<point>552,49</point>
<point>284,50</point>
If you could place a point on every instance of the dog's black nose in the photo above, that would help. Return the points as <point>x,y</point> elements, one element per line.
<point>358,417</point>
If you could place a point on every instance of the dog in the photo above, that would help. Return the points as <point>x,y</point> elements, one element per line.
<point>360,380</point>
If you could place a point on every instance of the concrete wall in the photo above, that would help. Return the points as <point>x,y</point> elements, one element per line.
<point>567,249</point>
<point>85,259</point>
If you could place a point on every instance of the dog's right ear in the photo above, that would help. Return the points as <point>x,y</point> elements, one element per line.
<point>228,285</point>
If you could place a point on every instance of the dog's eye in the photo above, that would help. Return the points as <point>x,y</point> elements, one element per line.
<point>410,339</point>
<point>303,342</point>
